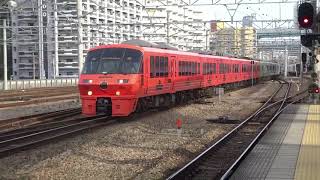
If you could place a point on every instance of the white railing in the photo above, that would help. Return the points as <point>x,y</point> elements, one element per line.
<point>38,83</point>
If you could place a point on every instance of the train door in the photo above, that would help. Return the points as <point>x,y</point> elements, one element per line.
<point>207,70</point>
<point>172,70</point>
<point>145,76</point>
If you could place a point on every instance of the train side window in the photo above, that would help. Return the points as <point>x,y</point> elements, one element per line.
<point>190,68</point>
<point>141,67</point>
<point>183,68</point>
<point>187,68</point>
<point>203,68</point>
<point>152,71</point>
<point>161,67</point>
<point>166,69</point>
<point>214,68</point>
<point>157,66</point>
<point>206,69</point>
<point>193,69</point>
<point>180,68</point>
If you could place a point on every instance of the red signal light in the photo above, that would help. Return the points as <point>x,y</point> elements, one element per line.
<point>317,90</point>
<point>306,15</point>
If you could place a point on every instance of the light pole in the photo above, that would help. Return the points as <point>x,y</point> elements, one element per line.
<point>80,35</point>
<point>11,5</point>
<point>5,60</point>
<point>252,64</point>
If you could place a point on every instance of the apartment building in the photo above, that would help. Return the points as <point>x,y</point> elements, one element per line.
<point>235,42</point>
<point>179,26</point>
<point>46,42</point>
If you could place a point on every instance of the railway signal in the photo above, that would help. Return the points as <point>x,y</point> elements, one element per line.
<point>314,89</point>
<point>305,15</point>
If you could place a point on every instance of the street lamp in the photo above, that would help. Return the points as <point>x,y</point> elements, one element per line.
<point>11,4</point>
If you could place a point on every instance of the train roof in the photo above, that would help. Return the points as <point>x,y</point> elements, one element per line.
<point>152,47</point>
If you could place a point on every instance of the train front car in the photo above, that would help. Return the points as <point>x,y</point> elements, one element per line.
<point>111,79</point>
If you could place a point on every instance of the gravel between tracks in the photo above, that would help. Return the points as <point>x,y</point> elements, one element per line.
<point>146,148</point>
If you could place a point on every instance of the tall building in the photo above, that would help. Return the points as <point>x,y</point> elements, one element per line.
<point>46,39</point>
<point>180,26</point>
<point>239,42</point>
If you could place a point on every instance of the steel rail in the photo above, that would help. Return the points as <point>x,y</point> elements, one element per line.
<point>233,167</point>
<point>42,126</point>
<point>44,117</point>
<point>20,143</point>
<point>179,174</point>
<point>225,136</point>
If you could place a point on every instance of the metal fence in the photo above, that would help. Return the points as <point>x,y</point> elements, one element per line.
<point>38,83</point>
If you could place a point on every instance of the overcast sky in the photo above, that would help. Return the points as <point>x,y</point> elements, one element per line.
<point>264,11</point>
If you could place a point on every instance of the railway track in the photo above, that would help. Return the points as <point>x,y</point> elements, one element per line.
<point>32,96</point>
<point>21,122</point>
<point>11,142</point>
<point>221,158</point>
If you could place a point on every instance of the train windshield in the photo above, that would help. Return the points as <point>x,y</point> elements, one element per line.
<point>113,61</point>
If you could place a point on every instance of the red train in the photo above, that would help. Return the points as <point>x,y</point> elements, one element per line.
<point>120,79</point>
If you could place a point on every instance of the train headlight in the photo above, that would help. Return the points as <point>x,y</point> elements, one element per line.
<point>89,93</point>
<point>118,93</point>
<point>123,81</point>
<point>87,81</point>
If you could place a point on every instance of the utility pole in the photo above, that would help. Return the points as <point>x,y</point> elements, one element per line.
<point>34,66</point>
<point>40,24</point>
<point>286,62</point>
<point>252,63</point>
<point>55,34</point>
<point>5,58</point>
<point>301,65</point>
<point>206,40</point>
<point>80,31</point>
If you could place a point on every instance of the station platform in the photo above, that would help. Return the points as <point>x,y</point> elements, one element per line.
<point>290,149</point>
